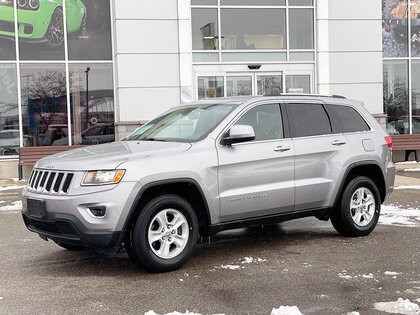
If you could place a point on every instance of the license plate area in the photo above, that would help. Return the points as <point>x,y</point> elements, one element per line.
<point>36,208</point>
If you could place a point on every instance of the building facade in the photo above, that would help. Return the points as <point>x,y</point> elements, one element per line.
<point>91,71</point>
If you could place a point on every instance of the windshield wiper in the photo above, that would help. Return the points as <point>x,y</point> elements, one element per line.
<point>152,139</point>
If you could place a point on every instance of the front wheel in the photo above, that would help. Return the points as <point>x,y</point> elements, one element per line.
<point>55,31</point>
<point>359,208</point>
<point>165,234</point>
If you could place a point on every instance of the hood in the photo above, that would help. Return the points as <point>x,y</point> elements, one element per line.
<point>109,155</point>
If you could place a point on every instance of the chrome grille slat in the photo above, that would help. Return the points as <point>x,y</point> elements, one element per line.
<point>50,182</point>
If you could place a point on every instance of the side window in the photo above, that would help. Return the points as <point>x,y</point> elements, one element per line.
<point>308,120</point>
<point>346,119</point>
<point>266,121</point>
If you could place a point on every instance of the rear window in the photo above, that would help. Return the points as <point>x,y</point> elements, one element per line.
<point>308,120</point>
<point>346,119</point>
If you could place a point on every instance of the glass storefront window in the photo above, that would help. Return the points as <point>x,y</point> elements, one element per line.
<point>9,113</point>
<point>91,84</point>
<point>415,94</point>
<point>41,30</point>
<point>253,2</point>
<point>301,2</point>
<point>7,31</point>
<point>301,28</point>
<point>238,85</point>
<point>89,29</point>
<point>269,84</point>
<point>396,104</point>
<point>210,87</point>
<point>298,84</point>
<point>204,29</point>
<point>395,28</point>
<point>253,28</point>
<point>44,105</point>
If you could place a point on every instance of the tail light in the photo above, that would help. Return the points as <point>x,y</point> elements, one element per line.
<point>388,141</point>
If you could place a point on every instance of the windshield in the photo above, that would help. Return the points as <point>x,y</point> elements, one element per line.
<point>187,124</point>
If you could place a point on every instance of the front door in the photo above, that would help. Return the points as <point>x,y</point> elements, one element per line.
<point>256,178</point>
<point>248,83</point>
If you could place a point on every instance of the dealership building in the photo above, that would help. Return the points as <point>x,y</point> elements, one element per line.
<point>83,72</point>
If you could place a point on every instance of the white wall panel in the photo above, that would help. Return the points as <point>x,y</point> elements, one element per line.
<point>143,104</point>
<point>146,36</point>
<point>146,9</point>
<point>349,9</point>
<point>148,70</point>
<point>369,94</point>
<point>351,67</point>
<point>350,35</point>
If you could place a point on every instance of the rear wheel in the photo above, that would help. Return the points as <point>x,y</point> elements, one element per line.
<point>359,208</point>
<point>164,235</point>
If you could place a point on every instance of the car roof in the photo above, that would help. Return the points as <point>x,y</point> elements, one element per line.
<point>238,100</point>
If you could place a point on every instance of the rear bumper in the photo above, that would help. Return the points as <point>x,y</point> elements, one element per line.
<point>68,229</point>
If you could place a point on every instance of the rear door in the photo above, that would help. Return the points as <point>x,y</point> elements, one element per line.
<point>320,155</point>
<point>256,178</point>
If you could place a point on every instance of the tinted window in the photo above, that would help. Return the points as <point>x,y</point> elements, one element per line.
<point>266,121</point>
<point>346,119</point>
<point>308,120</point>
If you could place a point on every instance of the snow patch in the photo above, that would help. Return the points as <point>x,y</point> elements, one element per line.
<point>231,267</point>
<point>369,276</point>
<point>407,187</point>
<point>249,260</point>
<point>344,275</point>
<point>412,170</point>
<point>12,187</point>
<point>172,313</point>
<point>353,313</point>
<point>394,215</point>
<point>391,273</point>
<point>399,307</point>
<point>286,310</point>
<point>15,206</point>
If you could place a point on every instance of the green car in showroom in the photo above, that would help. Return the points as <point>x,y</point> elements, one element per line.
<point>42,20</point>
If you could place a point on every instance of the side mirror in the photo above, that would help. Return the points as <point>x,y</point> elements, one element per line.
<point>238,133</point>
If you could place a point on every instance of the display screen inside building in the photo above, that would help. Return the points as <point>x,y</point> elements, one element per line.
<point>62,63</point>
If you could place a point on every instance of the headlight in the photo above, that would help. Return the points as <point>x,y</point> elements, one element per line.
<point>34,4</point>
<point>103,177</point>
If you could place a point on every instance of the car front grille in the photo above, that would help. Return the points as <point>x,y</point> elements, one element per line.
<point>6,26</point>
<point>54,182</point>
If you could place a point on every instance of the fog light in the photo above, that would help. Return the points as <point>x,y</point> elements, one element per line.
<point>97,211</point>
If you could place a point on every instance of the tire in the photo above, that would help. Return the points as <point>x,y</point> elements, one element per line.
<point>351,219</point>
<point>399,37</point>
<point>71,246</point>
<point>174,245</point>
<point>55,32</point>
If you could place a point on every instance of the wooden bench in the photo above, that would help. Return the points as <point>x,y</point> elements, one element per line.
<point>407,143</point>
<point>29,155</point>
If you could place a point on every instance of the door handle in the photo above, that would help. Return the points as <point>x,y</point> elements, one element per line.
<point>338,142</point>
<point>281,148</point>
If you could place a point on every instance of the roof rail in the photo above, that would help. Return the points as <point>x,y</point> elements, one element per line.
<point>306,94</point>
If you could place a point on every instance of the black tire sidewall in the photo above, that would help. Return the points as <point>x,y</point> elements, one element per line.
<point>348,221</point>
<point>142,252</point>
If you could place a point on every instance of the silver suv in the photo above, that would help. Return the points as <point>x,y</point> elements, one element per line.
<point>210,166</point>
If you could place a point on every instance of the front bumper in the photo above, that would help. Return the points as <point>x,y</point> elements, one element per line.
<point>70,230</point>
<point>68,219</point>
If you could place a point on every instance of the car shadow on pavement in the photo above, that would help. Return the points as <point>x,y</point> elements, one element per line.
<point>245,241</point>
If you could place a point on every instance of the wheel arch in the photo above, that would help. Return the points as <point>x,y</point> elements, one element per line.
<point>187,188</point>
<point>370,169</point>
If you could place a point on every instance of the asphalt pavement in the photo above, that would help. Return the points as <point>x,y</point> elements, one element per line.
<point>247,271</point>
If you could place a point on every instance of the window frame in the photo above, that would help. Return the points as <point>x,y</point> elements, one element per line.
<point>326,107</point>
<point>284,120</point>
<point>288,103</point>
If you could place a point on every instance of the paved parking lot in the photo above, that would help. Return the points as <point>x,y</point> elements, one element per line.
<point>249,271</point>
